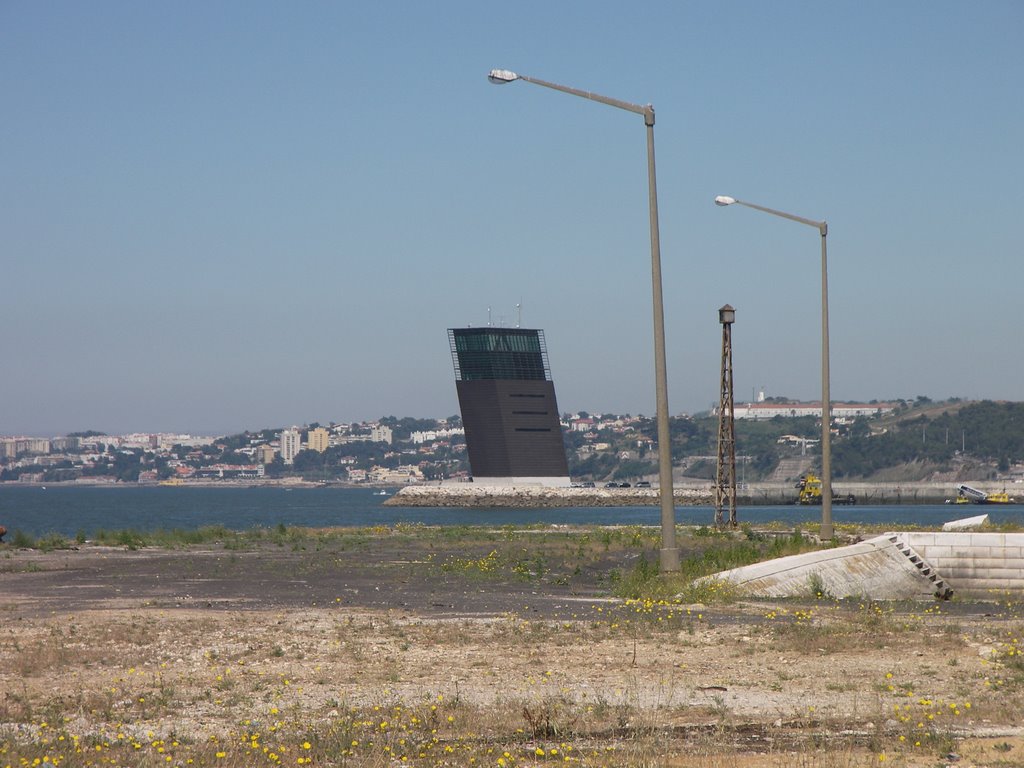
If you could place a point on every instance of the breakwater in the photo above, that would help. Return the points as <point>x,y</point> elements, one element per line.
<point>536,497</point>
<point>686,494</point>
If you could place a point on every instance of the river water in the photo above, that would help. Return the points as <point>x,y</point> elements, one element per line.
<point>73,510</point>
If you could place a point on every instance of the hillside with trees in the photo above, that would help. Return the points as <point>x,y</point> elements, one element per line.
<point>921,440</point>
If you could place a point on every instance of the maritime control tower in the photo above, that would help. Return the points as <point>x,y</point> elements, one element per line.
<point>509,412</point>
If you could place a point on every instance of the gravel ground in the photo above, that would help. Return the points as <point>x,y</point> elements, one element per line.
<point>199,639</point>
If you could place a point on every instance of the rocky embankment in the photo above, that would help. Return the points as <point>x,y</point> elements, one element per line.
<point>528,497</point>
<point>687,493</point>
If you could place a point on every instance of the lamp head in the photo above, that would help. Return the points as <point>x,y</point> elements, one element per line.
<point>724,200</point>
<point>501,76</point>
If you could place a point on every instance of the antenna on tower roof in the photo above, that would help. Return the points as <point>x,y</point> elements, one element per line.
<point>488,317</point>
<point>519,313</point>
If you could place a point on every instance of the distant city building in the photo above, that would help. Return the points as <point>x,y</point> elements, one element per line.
<point>265,454</point>
<point>167,441</point>
<point>400,474</point>
<point>840,411</point>
<point>64,444</point>
<point>318,439</point>
<point>508,405</point>
<point>380,434</point>
<point>10,447</point>
<point>432,435</point>
<point>230,472</point>
<point>143,440</point>
<point>290,444</point>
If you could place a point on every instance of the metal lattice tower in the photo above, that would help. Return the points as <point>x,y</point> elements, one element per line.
<point>725,477</point>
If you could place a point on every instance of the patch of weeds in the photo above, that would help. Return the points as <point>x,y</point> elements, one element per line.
<point>708,591</point>
<point>22,540</point>
<point>479,566</point>
<point>549,719</point>
<point>816,587</point>
<point>52,541</point>
<point>530,569</point>
<point>638,582</point>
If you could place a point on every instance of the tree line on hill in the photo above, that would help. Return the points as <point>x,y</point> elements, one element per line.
<point>940,439</point>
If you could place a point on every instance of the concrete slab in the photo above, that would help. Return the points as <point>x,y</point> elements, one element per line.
<point>874,569</point>
<point>966,523</point>
<point>895,566</point>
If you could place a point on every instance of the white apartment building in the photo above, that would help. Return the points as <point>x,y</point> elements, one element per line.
<point>291,444</point>
<point>380,434</point>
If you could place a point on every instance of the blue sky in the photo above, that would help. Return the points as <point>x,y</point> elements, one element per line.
<point>231,215</point>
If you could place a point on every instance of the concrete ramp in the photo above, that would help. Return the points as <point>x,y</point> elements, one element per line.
<point>895,566</point>
<point>882,568</point>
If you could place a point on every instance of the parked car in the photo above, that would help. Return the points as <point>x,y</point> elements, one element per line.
<point>643,484</point>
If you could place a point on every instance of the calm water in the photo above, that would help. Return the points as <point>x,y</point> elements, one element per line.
<point>69,510</point>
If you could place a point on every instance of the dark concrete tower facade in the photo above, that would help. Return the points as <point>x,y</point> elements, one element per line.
<point>508,406</point>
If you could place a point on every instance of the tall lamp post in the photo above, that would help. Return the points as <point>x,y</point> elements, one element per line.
<point>669,551</point>
<point>826,402</point>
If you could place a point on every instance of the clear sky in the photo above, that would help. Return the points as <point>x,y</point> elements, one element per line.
<point>232,215</point>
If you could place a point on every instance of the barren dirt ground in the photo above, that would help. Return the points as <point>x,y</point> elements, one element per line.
<point>479,648</point>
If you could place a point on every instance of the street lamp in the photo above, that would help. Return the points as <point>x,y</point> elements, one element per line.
<point>826,402</point>
<point>669,552</point>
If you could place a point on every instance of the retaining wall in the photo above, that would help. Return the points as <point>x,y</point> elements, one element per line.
<point>974,564</point>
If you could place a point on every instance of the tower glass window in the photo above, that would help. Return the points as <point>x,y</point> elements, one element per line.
<point>498,353</point>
